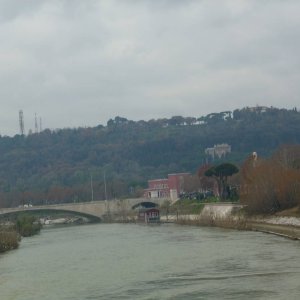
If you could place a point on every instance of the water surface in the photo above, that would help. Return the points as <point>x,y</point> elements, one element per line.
<point>117,261</point>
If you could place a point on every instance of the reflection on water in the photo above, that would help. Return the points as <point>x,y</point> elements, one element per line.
<point>116,261</point>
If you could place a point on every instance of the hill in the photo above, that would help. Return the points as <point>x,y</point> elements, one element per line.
<point>61,165</point>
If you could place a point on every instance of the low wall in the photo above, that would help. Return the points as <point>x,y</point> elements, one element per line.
<point>219,210</point>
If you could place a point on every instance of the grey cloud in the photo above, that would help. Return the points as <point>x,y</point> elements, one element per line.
<point>79,62</point>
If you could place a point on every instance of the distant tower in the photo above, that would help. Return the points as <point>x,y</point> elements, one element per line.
<point>254,159</point>
<point>36,129</point>
<point>41,125</point>
<point>21,122</point>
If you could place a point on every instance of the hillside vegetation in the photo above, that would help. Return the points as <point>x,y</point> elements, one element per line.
<point>56,166</point>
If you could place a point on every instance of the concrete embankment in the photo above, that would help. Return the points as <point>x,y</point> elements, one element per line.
<point>289,231</point>
<point>288,226</point>
<point>228,215</point>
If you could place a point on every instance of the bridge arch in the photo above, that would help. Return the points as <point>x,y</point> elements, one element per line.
<point>144,204</point>
<point>48,211</point>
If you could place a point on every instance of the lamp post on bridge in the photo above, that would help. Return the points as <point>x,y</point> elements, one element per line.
<point>92,188</point>
<point>105,190</point>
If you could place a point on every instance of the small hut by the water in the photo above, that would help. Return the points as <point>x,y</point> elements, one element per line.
<point>148,215</point>
<point>147,212</point>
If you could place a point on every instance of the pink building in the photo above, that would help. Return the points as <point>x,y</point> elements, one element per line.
<point>171,187</point>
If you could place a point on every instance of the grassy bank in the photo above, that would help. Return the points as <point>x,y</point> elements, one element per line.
<point>183,207</point>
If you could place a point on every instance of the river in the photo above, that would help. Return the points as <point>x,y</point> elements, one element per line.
<point>128,261</point>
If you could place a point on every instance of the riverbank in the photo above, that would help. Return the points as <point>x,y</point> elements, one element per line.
<point>234,216</point>
<point>281,224</point>
<point>285,223</point>
<point>11,232</point>
<point>288,231</point>
<point>288,227</point>
<point>9,240</point>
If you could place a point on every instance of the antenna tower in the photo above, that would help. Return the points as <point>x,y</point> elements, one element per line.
<point>36,125</point>
<point>41,125</point>
<point>21,122</point>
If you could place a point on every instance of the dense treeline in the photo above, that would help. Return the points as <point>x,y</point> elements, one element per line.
<point>62,165</point>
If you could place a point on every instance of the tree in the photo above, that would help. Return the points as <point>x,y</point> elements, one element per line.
<point>288,156</point>
<point>206,183</point>
<point>221,173</point>
<point>176,120</point>
<point>272,185</point>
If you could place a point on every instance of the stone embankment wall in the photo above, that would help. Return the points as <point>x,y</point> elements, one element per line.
<point>219,210</point>
<point>225,215</point>
<point>216,214</point>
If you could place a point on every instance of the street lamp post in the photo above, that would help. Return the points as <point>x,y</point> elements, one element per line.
<point>92,188</point>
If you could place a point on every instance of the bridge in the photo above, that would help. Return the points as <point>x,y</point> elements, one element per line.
<point>97,209</point>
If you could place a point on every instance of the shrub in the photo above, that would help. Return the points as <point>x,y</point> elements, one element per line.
<point>8,240</point>
<point>27,225</point>
<point>270,185</point>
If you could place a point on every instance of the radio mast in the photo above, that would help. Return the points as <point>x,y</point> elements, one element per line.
<point>21,122</point>
<point>36,124</point>
<point>41,125</point>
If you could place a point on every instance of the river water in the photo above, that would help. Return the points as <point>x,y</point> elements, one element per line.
<point>117,261</point>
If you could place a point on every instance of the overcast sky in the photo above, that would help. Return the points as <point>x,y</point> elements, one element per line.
<point>80,62</point>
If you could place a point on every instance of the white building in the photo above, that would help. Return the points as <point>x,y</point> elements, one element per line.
<point>220,150</point>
